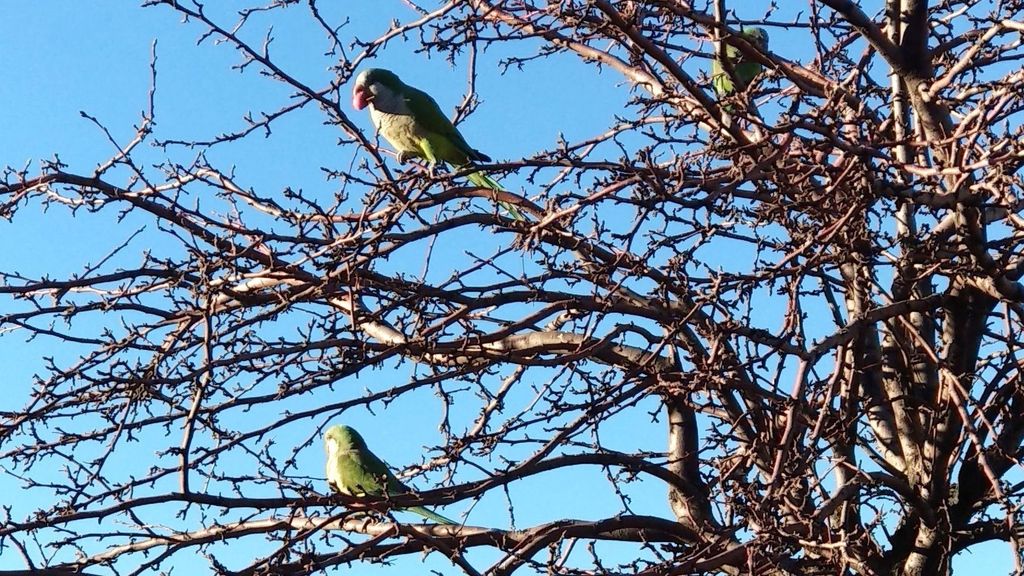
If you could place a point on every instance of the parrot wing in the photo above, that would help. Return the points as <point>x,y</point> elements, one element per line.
<point>426,111</point>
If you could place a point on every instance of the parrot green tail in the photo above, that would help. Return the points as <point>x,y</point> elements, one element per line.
<point>431,515</point>
<point>484,181</point>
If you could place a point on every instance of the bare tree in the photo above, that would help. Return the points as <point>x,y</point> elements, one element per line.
<point>818,288</point>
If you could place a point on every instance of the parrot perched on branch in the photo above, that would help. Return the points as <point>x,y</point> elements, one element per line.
<point>411,121</point>
<point>740,71</point>
<point>355,471</point>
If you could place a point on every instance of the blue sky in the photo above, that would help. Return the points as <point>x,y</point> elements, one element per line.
<point>63,57</point>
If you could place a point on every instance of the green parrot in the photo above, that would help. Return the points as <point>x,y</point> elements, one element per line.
<point>411,121</point>
<point>353,470</point>
<point>743,71</point>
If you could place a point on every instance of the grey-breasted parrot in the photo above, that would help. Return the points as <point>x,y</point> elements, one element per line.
<point>411,121</point>
<point>353,470</point>
<point>743,70</point>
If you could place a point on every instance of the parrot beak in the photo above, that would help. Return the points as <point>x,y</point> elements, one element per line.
<point>361,96</point>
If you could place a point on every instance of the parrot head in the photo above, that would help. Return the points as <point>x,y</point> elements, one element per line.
<point>756,36</point>
<point>379,87</point>
<point>341,439</point>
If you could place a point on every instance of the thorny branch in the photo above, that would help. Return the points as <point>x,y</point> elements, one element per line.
<point>814,298</point>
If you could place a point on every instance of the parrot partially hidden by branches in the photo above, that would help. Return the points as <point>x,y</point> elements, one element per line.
<point>739,71</point>
<point>355,471</point>
<point>411,121</point>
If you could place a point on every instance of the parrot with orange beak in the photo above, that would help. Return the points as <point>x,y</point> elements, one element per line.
<point>412,122</point>
<point>353,470</point>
